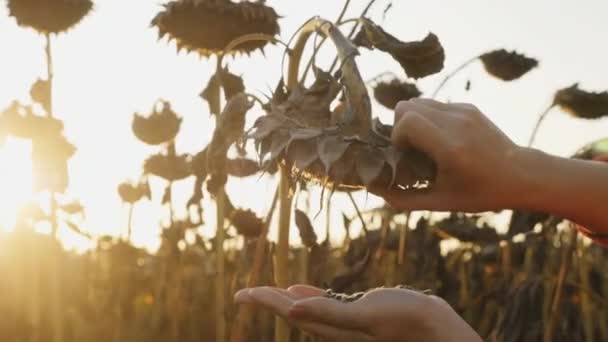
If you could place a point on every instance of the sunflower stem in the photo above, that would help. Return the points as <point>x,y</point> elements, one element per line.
<point>351,34</point>
<point>220,333</point>
<point>568,252</point>
<point>538,124</point>
<point>452,74</point>
<point>55,282</point>
<point>243,321</point>
<point>282,331</point>
<point>130,222</point>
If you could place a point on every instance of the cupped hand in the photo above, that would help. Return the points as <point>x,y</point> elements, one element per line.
<point>479,167</point>
<point>381,315</point>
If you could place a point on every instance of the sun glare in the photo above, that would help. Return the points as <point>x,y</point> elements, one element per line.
<point>15,180</point>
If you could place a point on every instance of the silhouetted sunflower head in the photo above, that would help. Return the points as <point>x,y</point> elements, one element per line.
<point>208,26</point>
<point>158,127</point>
<point>49,16</point>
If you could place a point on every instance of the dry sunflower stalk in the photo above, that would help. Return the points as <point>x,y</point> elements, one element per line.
<point>208,26</point>
<point>343,149</point>
<point>49,16</point>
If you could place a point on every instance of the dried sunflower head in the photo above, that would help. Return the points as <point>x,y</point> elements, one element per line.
<point>300,132</point>
<point>49,16</point>
<point>160,126</point>
<point>507,65</point>
<point>247,223</point>
<point>581,103</point>
<point>170,168</point>
<point>390,93</point>
<point>418,59</point>
<point>208,26</point>
<point>131,193</point>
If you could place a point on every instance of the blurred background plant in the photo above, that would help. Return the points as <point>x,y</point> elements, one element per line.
<point>535,279</point>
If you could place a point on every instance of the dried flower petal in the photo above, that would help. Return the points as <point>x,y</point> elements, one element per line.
<point>581,103</point>
<point>507,65</point>
<point>158,127</point>
<point>390,93</point>
<point>418,59</point>
<point>49,16</point>
<point>208,26</point>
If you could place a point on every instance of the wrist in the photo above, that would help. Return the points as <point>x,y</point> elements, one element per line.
<point>529,188</point>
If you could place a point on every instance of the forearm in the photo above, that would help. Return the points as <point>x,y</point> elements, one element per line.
<point>570,188</point>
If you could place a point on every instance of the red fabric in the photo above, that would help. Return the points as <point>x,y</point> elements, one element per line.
<point>599,238</point>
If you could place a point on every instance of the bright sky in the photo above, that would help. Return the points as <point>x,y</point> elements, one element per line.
<point>112,65</point>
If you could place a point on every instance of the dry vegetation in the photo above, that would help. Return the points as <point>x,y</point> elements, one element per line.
<point>538,280</point>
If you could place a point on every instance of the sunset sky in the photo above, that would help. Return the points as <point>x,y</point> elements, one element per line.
<point>111,65</point>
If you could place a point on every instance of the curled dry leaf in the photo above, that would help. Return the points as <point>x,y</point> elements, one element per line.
<point>418,58</point>
<point>131,193</point>
<point>170,168</point>
<point>507,65</point>
<point>307,232</point>
<point>581,103</point>
<point>392,92</point>
<point>208,26</point>
<point>158,127</point>
<point>49,16</point>
<point>224,79</point>
<point>230,127</point>
<point>40,92</point>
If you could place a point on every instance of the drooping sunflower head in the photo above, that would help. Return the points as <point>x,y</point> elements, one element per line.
<point>49,16</point>
<point>208,26</point>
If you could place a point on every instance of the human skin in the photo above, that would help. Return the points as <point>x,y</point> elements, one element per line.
<point>478,169</point>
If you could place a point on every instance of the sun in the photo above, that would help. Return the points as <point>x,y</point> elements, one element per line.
<point>15,180</point>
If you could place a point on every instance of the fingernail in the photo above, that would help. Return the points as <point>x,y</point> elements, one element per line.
<point>243,297</point>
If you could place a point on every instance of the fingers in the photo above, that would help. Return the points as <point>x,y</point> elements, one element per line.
<point>277,301</point>
<point>305,291</point>
<point>413,129</point>
<point>333,334</point>
<point>329,311</point>
<point>410,200</point>
<point>421,106</point>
